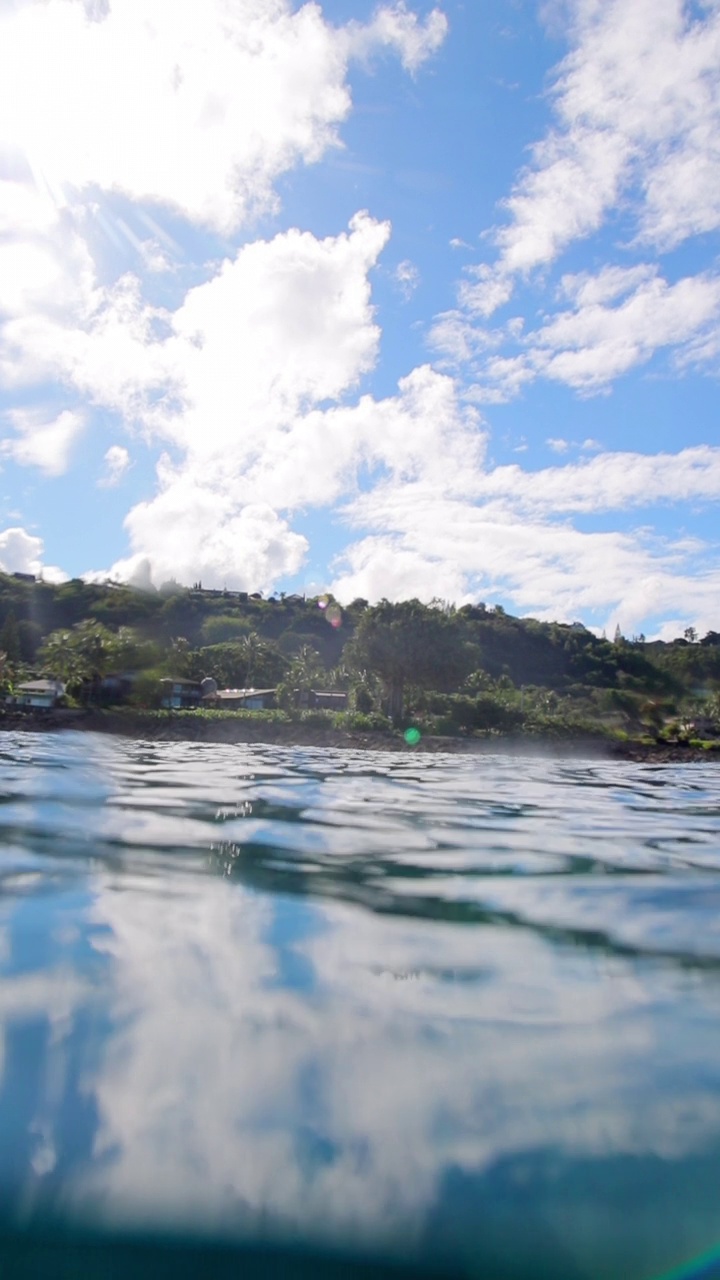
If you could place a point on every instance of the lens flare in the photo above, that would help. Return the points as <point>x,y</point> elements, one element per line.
<point>412,737</point>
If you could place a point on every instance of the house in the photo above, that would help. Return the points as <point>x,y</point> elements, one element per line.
<point>25,577</point>
<point>240,699</point>
<point>178,694</point>
<point>321,699</point>
<point>328,699</point>
<point>42,694</point>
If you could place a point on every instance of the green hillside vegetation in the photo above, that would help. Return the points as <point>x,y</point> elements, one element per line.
<point>473,670</point>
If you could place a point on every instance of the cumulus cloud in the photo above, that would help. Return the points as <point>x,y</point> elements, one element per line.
<point>395,27</point>
<point>506,533</point>
<point>42,443</point>
<point>215,516</point>
<point>251,379</point>
<point>462,550</point>
<point>283,322</point>
<point>285,326</point>
<point>193,531</point>
<point>224,98</point>
<point>22,552</point>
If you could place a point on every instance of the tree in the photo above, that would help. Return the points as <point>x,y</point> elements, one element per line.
<point>10,638</point>
<point>254,651</point>
<point>178,660</point>
<point>306,670</point>
<point>86,652</point>
<point>408,643</point>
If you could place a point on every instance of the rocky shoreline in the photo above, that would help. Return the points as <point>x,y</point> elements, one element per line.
<point>185,728</point>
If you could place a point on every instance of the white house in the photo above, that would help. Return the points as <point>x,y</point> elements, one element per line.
<point>36,693</point>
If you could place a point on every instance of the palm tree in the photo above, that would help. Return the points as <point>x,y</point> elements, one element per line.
<point>85,653</point>
<point>254,650</point>
<point>306,669</point>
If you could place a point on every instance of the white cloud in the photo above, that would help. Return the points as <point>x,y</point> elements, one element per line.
<point>559,445</point>
<point>502,378</point>
<point>288,323</point>
<point>507,534</point>
<point>48,275</point>
<point>281,329</point>
<point>253,382</point>
<point>190,531</point>
<point>196,107</point>
<point>284,324</point>
<point>610,481</point>
<point>636,115</point>
<point>489,290</point>
<point>117,461</point>
<point>407,278</point>
<point>396,27</point>
<point>635,123</point>
<point>215,516</point>
<point>593,344</point>
<point>21,552</point>
<point>619,320</point>
<point>391,568</point>
<point>41,443</point>
<point>423,431</point>
<point>459,550</point>
<point>233,379</point>
<point>25,206</point>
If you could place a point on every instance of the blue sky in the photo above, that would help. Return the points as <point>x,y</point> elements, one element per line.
<point>390,300</point>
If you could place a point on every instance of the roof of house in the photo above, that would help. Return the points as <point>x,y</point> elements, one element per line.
<point>240,693</point>
<point>38,686</point>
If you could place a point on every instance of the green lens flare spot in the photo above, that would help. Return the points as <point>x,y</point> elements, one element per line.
<point>412,737</point>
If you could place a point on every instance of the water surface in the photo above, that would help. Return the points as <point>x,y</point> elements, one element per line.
<point>446,1007</point>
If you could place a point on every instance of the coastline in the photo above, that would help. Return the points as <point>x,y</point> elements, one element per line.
<point>184,728</point>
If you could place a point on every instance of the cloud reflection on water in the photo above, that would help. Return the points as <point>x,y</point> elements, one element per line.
<point>274,1052</point>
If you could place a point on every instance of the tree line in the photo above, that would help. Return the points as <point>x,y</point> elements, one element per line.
<point>474,667</point>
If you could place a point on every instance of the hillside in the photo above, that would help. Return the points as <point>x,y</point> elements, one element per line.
<point>453,670</point>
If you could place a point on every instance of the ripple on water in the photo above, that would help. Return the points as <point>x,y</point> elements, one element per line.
<point>467,1003</point>
<point>621,851</point>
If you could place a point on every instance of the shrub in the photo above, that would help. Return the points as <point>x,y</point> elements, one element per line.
<point>362,699</point>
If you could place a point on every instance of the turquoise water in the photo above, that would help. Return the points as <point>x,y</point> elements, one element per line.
<point>448,1009</point>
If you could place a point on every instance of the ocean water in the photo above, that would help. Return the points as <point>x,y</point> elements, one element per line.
<point>458,1011</point>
